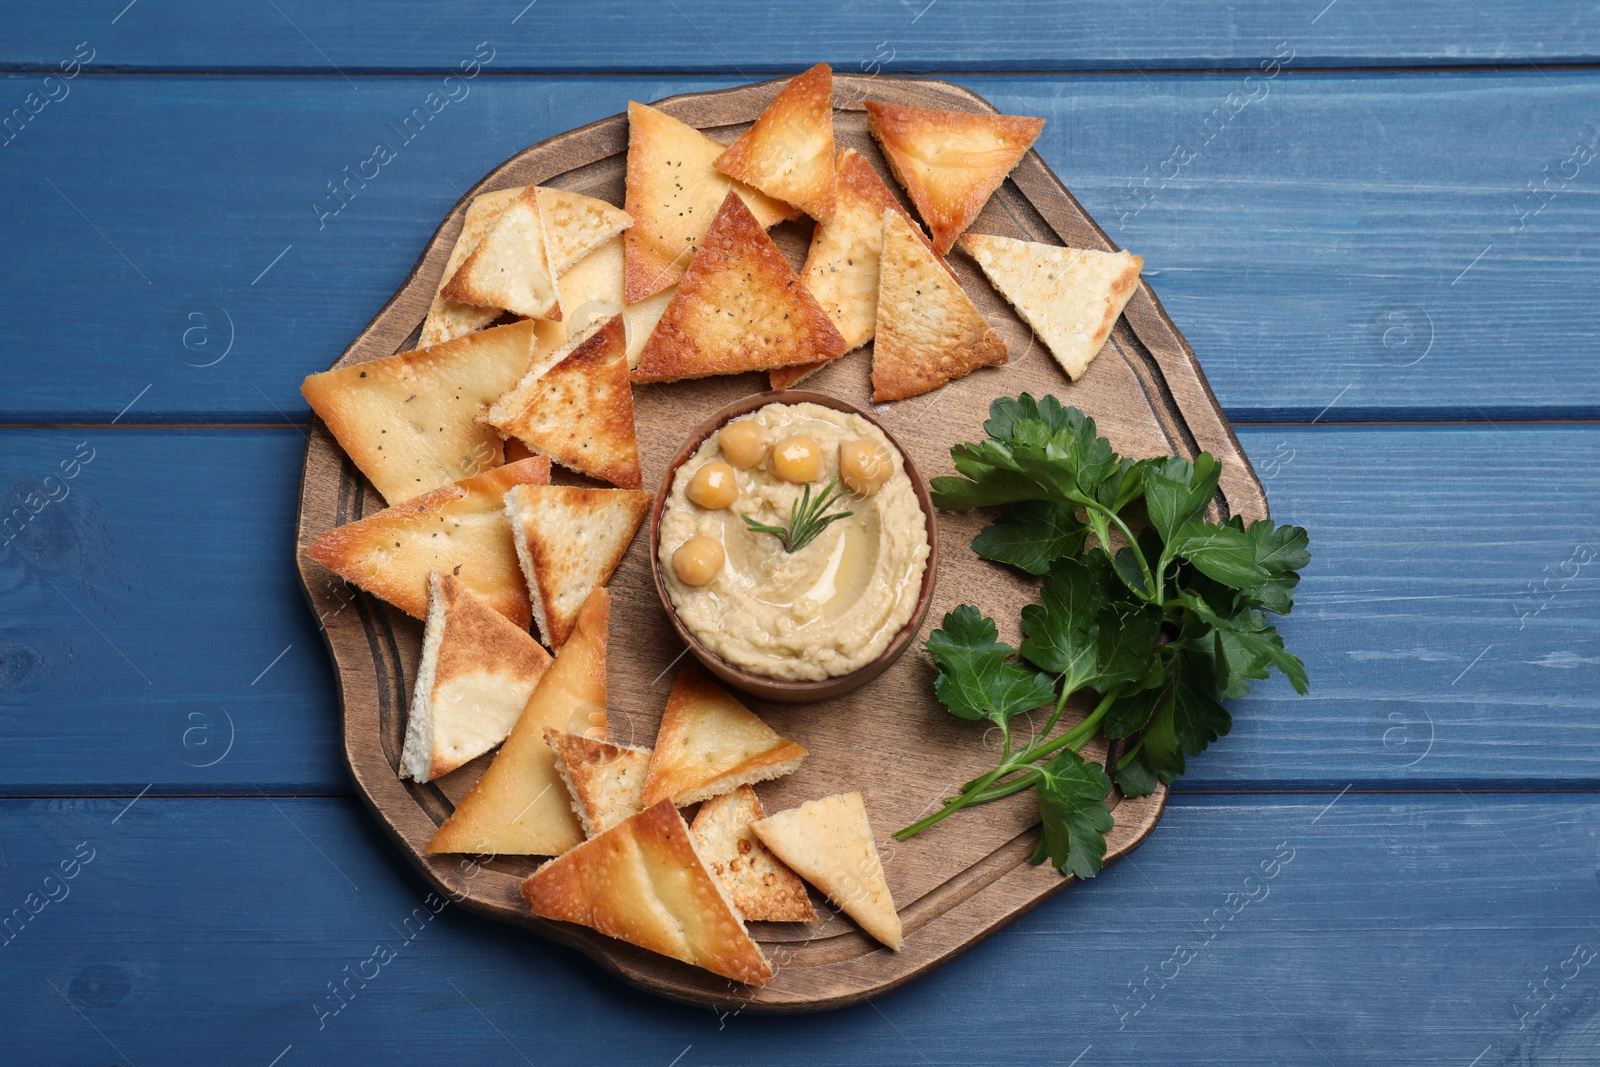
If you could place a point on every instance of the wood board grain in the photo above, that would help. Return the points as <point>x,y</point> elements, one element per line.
<point>952,887</point>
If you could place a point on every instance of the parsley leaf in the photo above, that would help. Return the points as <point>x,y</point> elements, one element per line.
<point>1177,492</point>
<point>975,680</point>
<point>1074,815</point>
<point>1031,535</point>
<point>1281,551</point>
<point>1188,721</point>
<point>1136,779</point>
<point>1223,554</point>
<point>1059,631</point>
<point>1254,645</point>
<point>1035,451</point>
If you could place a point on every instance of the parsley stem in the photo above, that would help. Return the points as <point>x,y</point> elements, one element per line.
<point>1150,594</point>
<point>951,806</point>
<point>961,800</point>
<point>1006,789</point>
<point>1055,716</point>
<point>983,789</point>
<point>1076,737</point>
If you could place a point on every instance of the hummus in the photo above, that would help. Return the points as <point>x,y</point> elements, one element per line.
<point>831,606</point>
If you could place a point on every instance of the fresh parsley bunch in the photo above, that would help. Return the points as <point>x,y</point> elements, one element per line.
<point>1161,629</point>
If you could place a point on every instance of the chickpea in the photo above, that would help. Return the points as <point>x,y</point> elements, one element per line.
<point>713,486</point>
<point>797,459</point>
<point>698,560</point>
<point>744,443</point>
<point>864,466</point>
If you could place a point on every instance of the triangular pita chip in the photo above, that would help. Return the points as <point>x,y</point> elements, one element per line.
<point>841,268</point>
<point>478,670</point>
<point>520,807</point>
<point>928,330</point>
<point>592,292</point>
<point>739,307</point>
<point>410,421</point>
<point>829,842</point>
<point>578,409</point>
<point>449,319</point>
<point>1071,297</point>
<point>759,883</point>
<point>606,780</point>
<point>642,882</point>
<point>510,268</point>
<point>569,539</point>
<point>788,153</point>
<point>673,191</point>
<point>950,162</point>
<point>459,529</point>
<point>575,225</point>
<point>709,743</point>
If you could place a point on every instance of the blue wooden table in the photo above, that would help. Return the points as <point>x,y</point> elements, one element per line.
<point>1378,227</point>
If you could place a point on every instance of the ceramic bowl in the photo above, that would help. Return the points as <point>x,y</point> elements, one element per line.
<point>784,689</point>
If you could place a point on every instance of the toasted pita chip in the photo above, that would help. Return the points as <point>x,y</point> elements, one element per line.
<point>579,409</point>
<point>575,225</point>
<point>1071,297</point>
<point>928,330</point>
<point>841,268</point>
<point>520,807</point>
<point>829,842</point>
<point>739,307</point>
<point>478,671</point>
<point>709,743</point>
<point>569,540</point>
<point>459,529</point>
<point>673,192</point>
<point>606,780</point>
<point>950,162</point>
<point>449,319</point>
<point>510,268</point>
<point>592,292</point>
<point>759,884</point>
<point>642,882</point>
<point>788,153</point>
<point>410,421</point>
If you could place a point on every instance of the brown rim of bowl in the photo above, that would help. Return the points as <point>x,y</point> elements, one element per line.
<point>784,689</point>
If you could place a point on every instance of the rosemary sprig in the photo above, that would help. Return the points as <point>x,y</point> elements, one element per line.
<point>806,518</point>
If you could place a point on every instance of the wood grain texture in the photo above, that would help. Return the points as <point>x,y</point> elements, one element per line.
<point>1400,930</point>
<point>1320,252</point>
<point>1420,538</point>
<point>146,641</point>
<point>772,37</point>
<point>1149,398</point>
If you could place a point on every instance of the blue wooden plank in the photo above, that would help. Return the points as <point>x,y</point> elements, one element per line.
<point>1377,930</point>
<point>155,632</point>
<point>1449,619</point>
<point>607,36</point>
<point>1342,246</point>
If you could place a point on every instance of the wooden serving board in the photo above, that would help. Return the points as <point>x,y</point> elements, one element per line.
<point>954,884</point>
